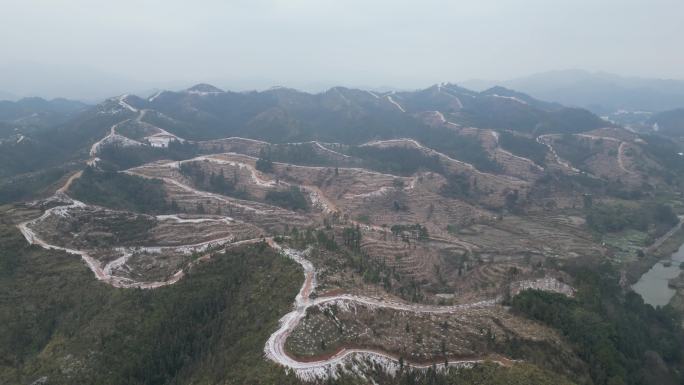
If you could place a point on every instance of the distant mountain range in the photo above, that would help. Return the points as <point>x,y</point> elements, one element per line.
<point>342,115</point>
<point>599,92</point>
<point>32,114</point>
<point>668,122</point>
<point>34,106</point>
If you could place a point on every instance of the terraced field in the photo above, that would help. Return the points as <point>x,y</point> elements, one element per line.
<point>410,265</point>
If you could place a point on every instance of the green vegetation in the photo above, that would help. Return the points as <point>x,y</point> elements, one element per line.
<point>351,237</point>
<point>657,218</point>
<point>397,160</point>
<point>264,164</point>
<point>124,157</point>
<point>627,244</point>
<point>121,191</point>
<point>291,199</point>
<point>457,186</point>
<point>417,231</point>
<point>210,327</point>
<point>213,182</point>
<point>484,374</point>
<point>666,153</point>
<point>616,334</point>
<point>669,122</point>
<point>510,115</point>
<point>29,186</point>
<point>303,154</point>
<point>55,146</point>
<point>465,148</point>
<point>133,130</point>
<point>575,149</point>
<point>585,184</point>
<point>349,254</point>
<point>524,146</point>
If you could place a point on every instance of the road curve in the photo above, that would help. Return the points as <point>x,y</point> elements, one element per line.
<point>328,367</point>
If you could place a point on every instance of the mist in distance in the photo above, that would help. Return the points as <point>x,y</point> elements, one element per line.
<point>90,50</point>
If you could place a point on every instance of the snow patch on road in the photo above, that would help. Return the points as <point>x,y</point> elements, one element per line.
<point>389,97</point>
<point>353,361</point>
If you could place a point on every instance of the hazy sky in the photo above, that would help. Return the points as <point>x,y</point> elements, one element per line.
<point>72,47</point>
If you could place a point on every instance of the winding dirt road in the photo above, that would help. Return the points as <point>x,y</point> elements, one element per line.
<point>389,98</point>
<point>274,348</point>
<point>328,367</point>
<point>556,158</point>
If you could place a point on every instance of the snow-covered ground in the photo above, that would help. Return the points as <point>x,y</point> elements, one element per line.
<point>113,138</point>
<point>513,98</point>
<point>124,104</point>
<point>161,138</point>
<point>389,97</point>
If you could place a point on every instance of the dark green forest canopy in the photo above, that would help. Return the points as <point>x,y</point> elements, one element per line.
<point>615,333</point>
<point>657,217</point>
<point>397,160</point>
<point>121,191</point>
<point>292,199</point>
<point>208,328</point>
<point>524,146</point>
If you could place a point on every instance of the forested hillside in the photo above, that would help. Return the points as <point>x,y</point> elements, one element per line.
<point>209,328</point>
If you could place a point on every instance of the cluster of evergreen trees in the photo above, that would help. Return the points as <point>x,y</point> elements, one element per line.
<point>655,217</point>
<point>124,157</point>
<point>397,160</point>
<point>264,164</point>
<point>292,199</point>
<point>618,336</point>
<point>122,191</point>
<point>303,153</point>
<point>523,146</point>
<point>457,186</point>
<point>212,181</point>
<point>418,231</point>
<point>210,327</point>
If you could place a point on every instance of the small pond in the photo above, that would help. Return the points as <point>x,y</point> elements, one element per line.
<point>653,284</point>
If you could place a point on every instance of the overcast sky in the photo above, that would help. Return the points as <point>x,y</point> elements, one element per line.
<point>82,47</point>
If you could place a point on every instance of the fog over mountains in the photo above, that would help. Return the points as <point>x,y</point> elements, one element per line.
<point>600,92</point>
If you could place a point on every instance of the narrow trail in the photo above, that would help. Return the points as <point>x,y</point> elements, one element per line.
<point>512,98</point>
<point>620,152</point>
<point>205,194</point>
<point>659,242</point>
<point>316,370</point>
<point>430,151</point>
<point>317,144</point>
<point>69,181</point>
<point>162,137</point>
<point>113,136</point>
<point>557,159</point>
<point>440,88</point>
<point>322,147</point>
<point>373,94</point>
<point>274,348</point>
<point>105,273</point>
<point>317,197</point>
<point>621,157</point>
<point>159,139</point>
<point>389,97</point>
<point>348,359</point>
<point>442,119</point>
<point>495,135</point>
<point>124,104</point>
